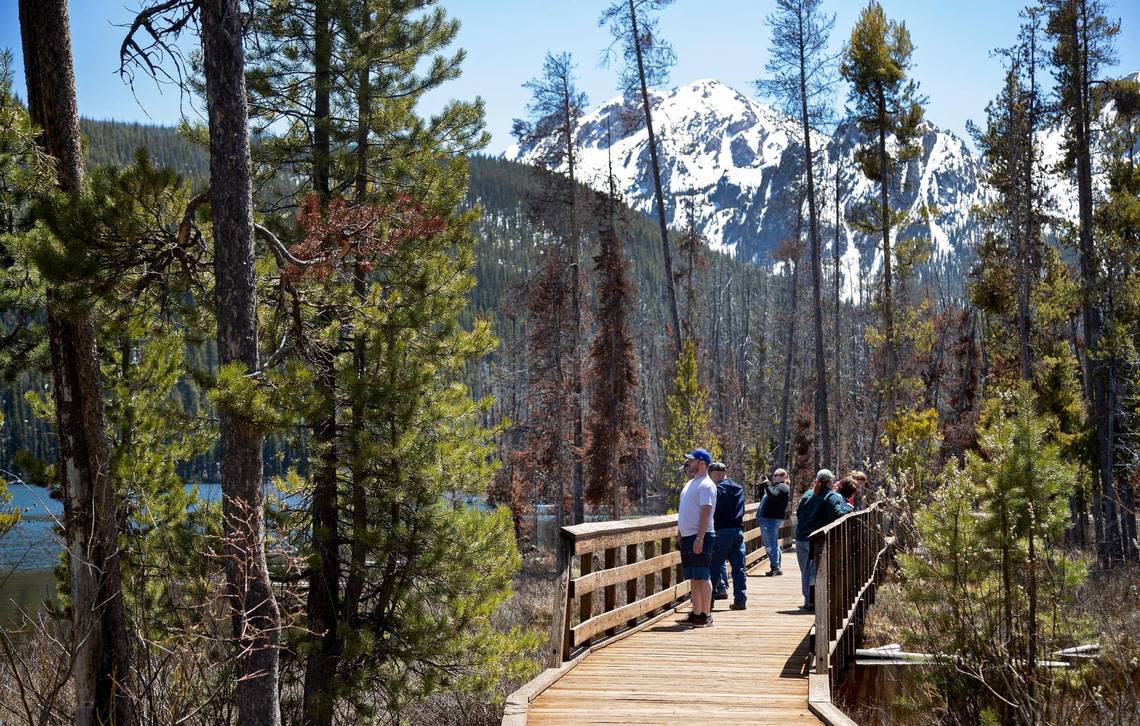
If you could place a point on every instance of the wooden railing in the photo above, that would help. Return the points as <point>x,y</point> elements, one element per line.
<point>615,575</point>
<point>851,556</point>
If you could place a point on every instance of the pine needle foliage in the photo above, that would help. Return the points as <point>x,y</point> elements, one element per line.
<point>992,582</point>
<point>689,423</point>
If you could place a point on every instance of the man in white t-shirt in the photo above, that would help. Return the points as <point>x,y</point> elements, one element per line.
<point>696,534</point>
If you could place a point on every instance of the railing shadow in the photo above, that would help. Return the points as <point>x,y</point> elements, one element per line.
<point>798,664</point>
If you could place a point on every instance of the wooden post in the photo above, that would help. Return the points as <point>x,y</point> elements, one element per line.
<point>560,625</point>
<point>611,590</point>
<point>586,601</point>
<point>631,584</point>
<point>650,579</point>
<point>667,573</point>
<point>822,619</point>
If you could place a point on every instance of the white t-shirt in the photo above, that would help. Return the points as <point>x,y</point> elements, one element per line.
<point>698,492</point>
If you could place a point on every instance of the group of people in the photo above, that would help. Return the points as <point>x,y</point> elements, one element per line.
<point>710,524</point>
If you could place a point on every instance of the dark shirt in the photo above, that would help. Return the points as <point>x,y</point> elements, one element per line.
<point>815,512</point>
<point>729,512</point>
<point>774,505</point>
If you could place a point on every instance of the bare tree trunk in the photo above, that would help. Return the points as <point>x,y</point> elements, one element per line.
<point>323,600</point>
<point>1110,544</point>
<point>256,619</point>
<point>839,451</point>
<point>102,672</point>
<point>658,193</point>
<point>789,352</point>
<point>816,266</point>
<point>576,407</point>
<point>888,280</point>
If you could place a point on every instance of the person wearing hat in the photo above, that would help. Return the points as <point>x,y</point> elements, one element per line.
<point>728,520</point>
<point>697,534</point>
<point>818,508</point>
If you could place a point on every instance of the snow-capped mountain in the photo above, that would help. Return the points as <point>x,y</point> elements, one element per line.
<point>737,160</point>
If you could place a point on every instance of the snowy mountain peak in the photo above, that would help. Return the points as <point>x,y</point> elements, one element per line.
<point>737,159</point>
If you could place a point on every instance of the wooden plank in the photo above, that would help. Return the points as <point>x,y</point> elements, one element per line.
<point>594,536</point>
<point>819,701</point>
<point>611,576</point>
<point>650,582</point>
<point>588,628</point>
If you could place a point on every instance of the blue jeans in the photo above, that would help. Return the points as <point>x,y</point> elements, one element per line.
<point>770,533</point>
<point>807,569</point>
<point>730,546</point>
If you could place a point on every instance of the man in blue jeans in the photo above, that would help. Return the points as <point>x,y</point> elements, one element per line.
<point>772,513</point>
<point>728,519</point>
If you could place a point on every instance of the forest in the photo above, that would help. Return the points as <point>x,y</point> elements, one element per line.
<point>407,363</point>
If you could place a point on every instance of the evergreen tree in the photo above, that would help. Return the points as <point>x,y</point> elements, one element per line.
<point>980,582</point>
<point>616,440</point>
<point>1082,37</point>
<point>556,108</point>
<point>376,272</point>
<point>886,105</point>
<point>803,74</point>
<point>102,672</point>
<point>688,425</point>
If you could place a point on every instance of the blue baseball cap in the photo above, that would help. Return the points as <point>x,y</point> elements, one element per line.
<point>699,454</point>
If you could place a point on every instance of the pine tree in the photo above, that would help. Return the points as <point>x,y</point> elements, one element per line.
<point>616,439</point>
<point>102,672</point>
<point>980,582</point>
<point>885,105</point>
<point>802,76</point>
<point>688,425</point>
<point>556,108</point>
<point>1082,37</point>
<point>376,280</point>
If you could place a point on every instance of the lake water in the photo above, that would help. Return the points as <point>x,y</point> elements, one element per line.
<point>31,550</point>
<point>28,553</point>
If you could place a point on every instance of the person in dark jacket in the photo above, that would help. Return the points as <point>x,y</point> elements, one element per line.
<point>773,510</point>
<point>818,508</point>
<point>728,520</point>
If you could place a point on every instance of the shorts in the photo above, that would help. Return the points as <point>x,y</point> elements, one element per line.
<point>694,566</point>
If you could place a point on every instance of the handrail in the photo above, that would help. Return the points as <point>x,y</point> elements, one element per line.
<point>850,557</point>
<point>598,557</point>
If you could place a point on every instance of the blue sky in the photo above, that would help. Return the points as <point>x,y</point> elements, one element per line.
<point>507,39</point>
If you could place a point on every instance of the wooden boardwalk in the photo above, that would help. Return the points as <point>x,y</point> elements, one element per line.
<point>750,667</point>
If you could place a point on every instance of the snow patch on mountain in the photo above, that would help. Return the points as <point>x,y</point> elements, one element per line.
<point>736,160</point>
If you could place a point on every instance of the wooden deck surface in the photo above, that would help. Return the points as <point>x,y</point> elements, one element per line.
<point>749,667</point>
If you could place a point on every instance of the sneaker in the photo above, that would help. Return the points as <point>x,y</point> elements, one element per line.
<point>688,619</point>
<point>777,572</point>
<point>810,607</point>
<point>701,621</point>
<point>737,606</point>
<point>770,573</point>
<point>720,595</point>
